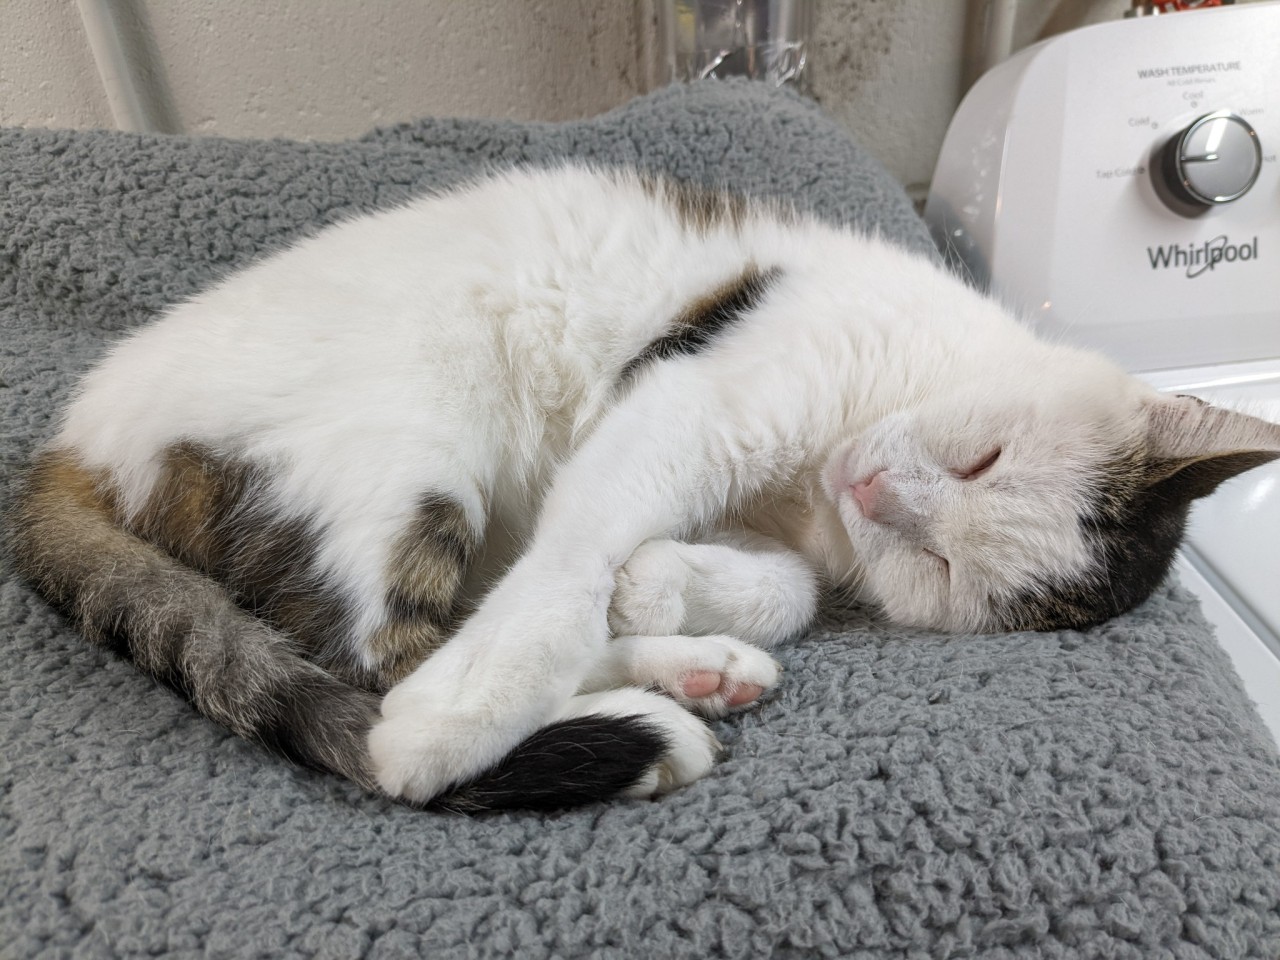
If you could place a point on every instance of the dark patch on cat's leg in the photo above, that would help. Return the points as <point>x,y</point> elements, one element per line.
<point>705,318</point>
<point>429,561</point>
<point>193,494</point>
<point>212,513</point>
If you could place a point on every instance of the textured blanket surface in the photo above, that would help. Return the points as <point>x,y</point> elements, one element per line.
<point>1100,794</point>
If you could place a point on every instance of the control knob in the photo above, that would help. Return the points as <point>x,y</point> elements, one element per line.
<point>1214,160</point>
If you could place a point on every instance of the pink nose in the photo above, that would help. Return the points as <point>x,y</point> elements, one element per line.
<point>867,492</point>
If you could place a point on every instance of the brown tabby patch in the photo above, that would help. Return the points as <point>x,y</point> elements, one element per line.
<point>428,563</point>
<point>177,624</point>
<point>699,209</point>
<point>209,511</point>
<point>61,511</point>
<point>699,323</point>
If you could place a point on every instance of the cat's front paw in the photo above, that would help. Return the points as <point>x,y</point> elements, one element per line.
<point>667,587</point>
<point>419,752</point>
<point>441,728</point>
<point>648,595</point>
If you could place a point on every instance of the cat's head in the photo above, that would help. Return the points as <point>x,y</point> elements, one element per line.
<point>985,511</point>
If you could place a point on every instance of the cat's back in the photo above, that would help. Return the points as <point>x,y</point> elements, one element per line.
<point>452,264</point>
<point>518,294</point>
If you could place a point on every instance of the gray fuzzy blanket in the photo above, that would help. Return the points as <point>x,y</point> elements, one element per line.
<point>1105,794</point>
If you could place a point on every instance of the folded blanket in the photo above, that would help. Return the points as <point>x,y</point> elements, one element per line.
<point>1101,794</point>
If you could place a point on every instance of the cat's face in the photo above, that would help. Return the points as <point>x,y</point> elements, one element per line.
<point>982,512</point>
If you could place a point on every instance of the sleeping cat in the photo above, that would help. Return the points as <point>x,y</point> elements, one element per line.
<point>552,459</point>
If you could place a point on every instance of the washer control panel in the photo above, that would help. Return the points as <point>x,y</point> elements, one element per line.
<point>1118,185</point>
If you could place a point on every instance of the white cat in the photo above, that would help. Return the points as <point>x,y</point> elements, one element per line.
<point>529,452</point>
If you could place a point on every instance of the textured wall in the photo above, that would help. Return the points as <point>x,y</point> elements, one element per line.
<point>333,69</point>
<point>47,76</point>
<point>889,70</point>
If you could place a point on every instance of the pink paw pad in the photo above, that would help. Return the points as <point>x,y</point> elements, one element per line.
<point>703,683</point>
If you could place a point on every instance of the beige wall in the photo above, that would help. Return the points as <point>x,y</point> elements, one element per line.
<point>330,69</point>
<point>333,70</point>
<point>889,70</point>
<point>47,76</point>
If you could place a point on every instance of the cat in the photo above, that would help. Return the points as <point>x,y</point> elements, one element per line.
<point>477,501</point>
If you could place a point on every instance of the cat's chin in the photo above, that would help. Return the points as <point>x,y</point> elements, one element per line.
<point>870,541</point>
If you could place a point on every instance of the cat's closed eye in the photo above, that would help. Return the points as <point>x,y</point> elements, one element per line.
<point>980,467</point>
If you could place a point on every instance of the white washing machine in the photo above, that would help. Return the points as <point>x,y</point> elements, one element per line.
<point>1118,186</point>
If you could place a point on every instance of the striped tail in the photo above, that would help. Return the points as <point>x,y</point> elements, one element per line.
<point>182,627</point>
<point>185,629</point>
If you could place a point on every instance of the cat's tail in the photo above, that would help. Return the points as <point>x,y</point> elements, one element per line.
<point>182,627</point>
<point>567,764</point>
<point>628,742</point>
<point>185,629</point>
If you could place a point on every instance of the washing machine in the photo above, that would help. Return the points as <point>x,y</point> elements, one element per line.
<point>1118,187</point>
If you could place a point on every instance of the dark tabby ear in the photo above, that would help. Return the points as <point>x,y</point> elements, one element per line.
<point>1193,446</point>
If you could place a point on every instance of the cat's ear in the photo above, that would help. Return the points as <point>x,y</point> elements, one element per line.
<point>1193,446</point>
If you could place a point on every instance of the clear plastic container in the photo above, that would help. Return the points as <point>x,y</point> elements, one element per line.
<point>761,39</point>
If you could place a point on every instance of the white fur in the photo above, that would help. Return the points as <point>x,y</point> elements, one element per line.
<point>1015,522</point>
<point>472,344</point>
<point>663,663</point>
<point>760,593</point>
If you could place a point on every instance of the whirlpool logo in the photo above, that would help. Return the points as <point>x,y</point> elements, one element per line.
<point>1201,257</point>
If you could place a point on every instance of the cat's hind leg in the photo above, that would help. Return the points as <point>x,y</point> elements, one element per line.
<point>424,573</point>
<point>709,675</point>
